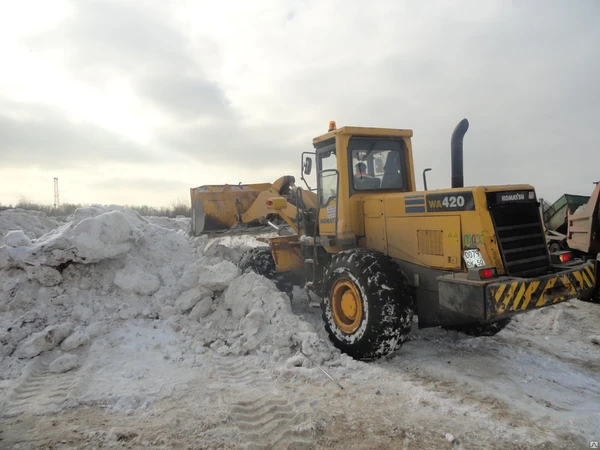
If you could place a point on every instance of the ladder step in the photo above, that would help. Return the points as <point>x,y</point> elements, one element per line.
<point>309,261</point>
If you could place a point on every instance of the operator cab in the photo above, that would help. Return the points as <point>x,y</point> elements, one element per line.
<point>378,164</point>
<point>352,162</point>
<point>370,159</point>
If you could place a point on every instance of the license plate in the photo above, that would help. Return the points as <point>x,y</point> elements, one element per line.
<point>473,258</point>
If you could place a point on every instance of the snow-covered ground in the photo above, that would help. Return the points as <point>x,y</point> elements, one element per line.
<point>118,330</point>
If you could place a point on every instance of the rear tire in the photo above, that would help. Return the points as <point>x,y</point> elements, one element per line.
<point>478,329</point>
<point>594,297</point>
<point>368,313</point>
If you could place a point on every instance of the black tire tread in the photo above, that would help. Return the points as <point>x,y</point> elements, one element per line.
<point>595,297</point>
<point>390,310</point>
<point>260,261</point>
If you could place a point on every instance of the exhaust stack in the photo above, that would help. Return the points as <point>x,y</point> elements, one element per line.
<point>456,148</point>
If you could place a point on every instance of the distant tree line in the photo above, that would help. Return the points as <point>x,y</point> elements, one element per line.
<point>177,208</point>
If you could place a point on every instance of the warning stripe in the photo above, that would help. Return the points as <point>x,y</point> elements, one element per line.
<point>519,295</point>
<point>579,279</point>
<point>508,297</point>
<point>584,281</point>
<point>567,283</point>
<point>549,285</point>
<point>591,275</point>
<point>585,278</point>
<point>530,291</point>
<point>590,272</point>
<point>500,292</point>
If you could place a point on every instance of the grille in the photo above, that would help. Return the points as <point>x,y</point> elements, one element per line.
<point>430,242</point>
<point>520,237</point>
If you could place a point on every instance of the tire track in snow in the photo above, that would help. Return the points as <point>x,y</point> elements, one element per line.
<point>265,418</point>
<point>504,377</point>
<point>39,391</point>
<point>590,365</point>
<point>3,389</point>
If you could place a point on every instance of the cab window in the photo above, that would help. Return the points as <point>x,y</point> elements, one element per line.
<point>328,176</point>
<point>377,164</point>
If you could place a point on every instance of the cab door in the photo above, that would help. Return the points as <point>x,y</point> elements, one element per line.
<point>327,189</point>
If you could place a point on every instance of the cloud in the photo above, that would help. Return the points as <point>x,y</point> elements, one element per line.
<point>232,144</point>
<point>124,35</point>
<point>142,43</point>
<point>141,184</point>
<point>524,76</point>
<point>250,85</point>
<point>186,97</point>
<point>38,135</point>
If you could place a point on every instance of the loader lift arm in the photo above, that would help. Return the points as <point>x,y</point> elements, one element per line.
<point>231,208</point>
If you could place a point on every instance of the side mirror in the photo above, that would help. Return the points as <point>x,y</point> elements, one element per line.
<point>307,166</point>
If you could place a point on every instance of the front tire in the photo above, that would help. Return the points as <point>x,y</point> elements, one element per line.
<point>370,307</point>
<point>594,297</point>
<point>260,260</point>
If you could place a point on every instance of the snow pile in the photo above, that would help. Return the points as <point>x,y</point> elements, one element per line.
<point>251,316</point>
<point>85,239</point>
<point>238,314</point>
<point>33,223</point>
<point>65,290</point>
<point>88,240</point>
<point>82,279</point>
<point>180,223</point>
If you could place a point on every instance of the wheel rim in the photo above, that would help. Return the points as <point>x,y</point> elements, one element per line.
<point>346,305</point>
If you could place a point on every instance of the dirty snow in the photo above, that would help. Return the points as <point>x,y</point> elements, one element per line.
<point>120,329</point>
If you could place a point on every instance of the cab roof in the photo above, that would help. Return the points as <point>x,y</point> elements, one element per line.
<point>364,132</point>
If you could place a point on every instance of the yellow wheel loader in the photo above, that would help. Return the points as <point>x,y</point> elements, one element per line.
<point>377,251</point>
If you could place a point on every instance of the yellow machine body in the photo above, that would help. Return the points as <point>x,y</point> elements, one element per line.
<point>389,223</point>
<point>366,197</point>
<point>427,232</point>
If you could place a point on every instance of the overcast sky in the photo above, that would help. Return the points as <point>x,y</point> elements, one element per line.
<point>134,102</point>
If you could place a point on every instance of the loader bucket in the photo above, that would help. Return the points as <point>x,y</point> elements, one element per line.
<point>220,207</point>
